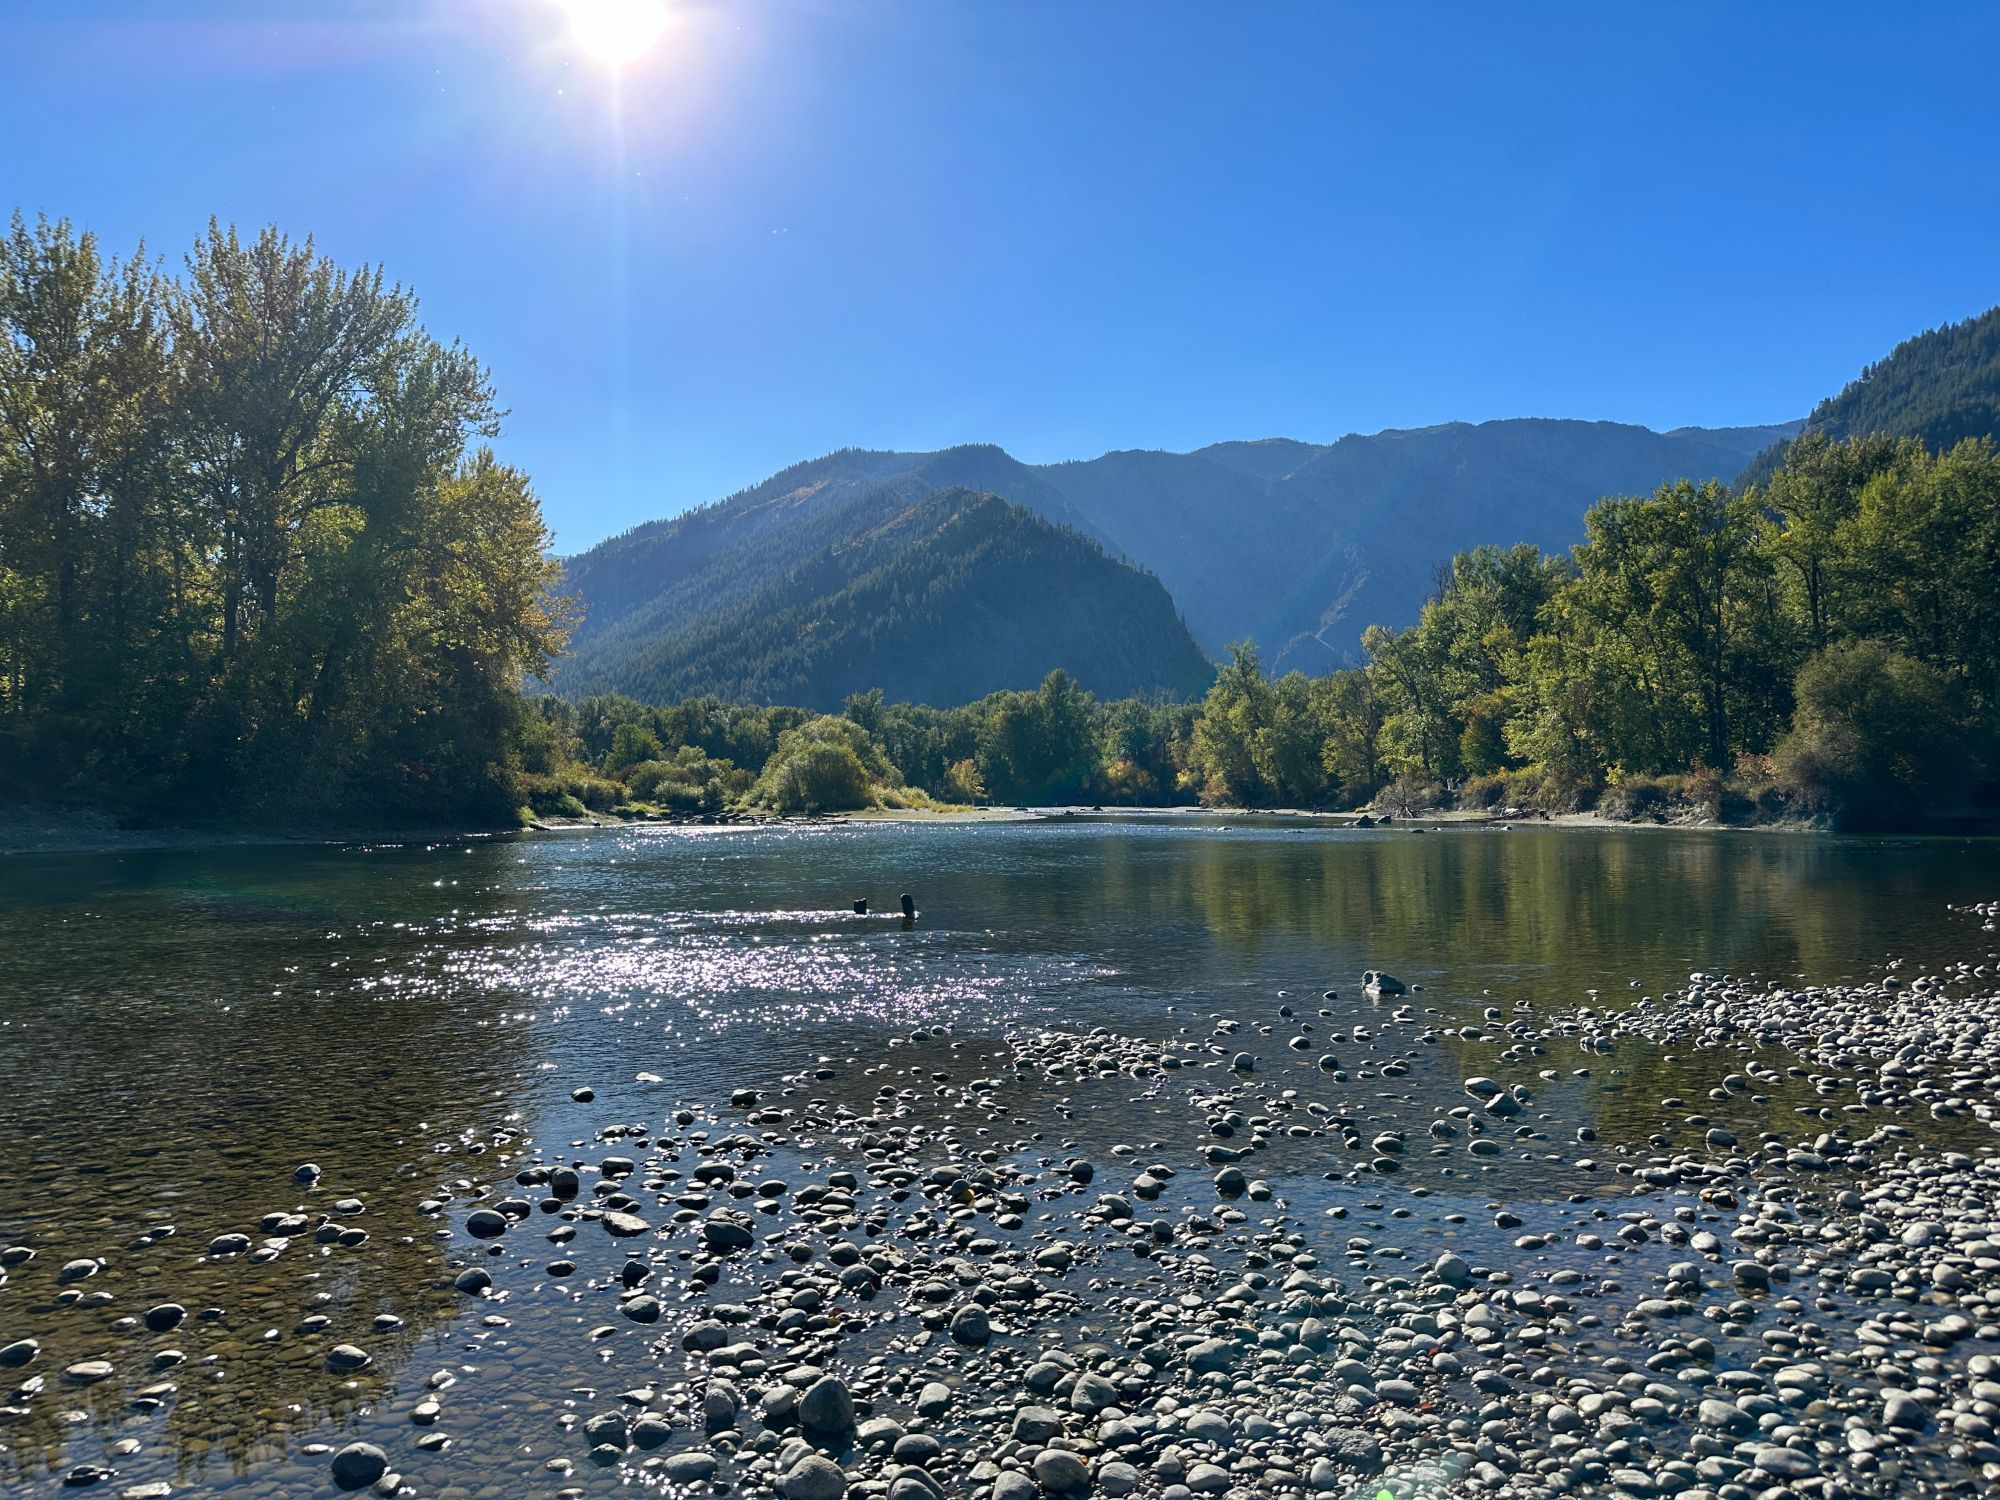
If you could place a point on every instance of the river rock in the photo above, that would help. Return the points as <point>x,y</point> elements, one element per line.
<point>727,1229</point>
<point>1060,1472</point>
<point>970,1324</point>
<point>814,1477</point>
<point>690,1468</point>
<point>359,1465</point>
<point>485,1224</point>
<point>827,1407</point>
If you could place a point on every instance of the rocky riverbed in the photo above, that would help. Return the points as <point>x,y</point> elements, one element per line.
<point>1291,1282</point>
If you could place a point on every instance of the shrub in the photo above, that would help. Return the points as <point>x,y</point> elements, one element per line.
<point>1639,799</point>
<point>1480,792</point>
<point>1701,790</point>
<point>690,782</point>
<point>962,781</point>
<point>1875,737</point>
<point>573,794</point>
<point>828,764</point>
<point>1520,787</point>
<point>1128,783</point>
<point>1407,796</point>
<point>1663,799</point>
<point>815,778</point>
<point>1564,794</point>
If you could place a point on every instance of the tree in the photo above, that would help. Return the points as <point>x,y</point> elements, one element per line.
<point>82,380</point>
<point>1040,746</point>
<point>1877,736</point>
<point>1410,668</point>
<point>827,764</point>
<point>247,553</point>
<point>1813,501</point>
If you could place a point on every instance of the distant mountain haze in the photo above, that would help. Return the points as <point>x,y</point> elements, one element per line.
<point>1299,546</point>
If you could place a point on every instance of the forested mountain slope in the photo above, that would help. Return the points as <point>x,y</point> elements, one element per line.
<point>1940,386</point>
<point>941,600</point>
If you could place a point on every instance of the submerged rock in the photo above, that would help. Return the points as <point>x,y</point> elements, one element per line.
<point>359,1465</point>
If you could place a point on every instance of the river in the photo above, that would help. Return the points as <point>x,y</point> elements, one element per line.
<point>180,1031</point>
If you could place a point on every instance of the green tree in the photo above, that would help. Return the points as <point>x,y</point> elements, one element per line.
<point>1238,709</point>
<point>827,764</point>
<point>247,554</point>
<point>1040,746</point>
<point>1877,736</point>
<point>83,377</point>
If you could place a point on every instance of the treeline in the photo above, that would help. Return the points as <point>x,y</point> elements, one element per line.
<point>250,548</point>
<point>255,560</point>
<point>1826,646</point>
<point>1056,744</point>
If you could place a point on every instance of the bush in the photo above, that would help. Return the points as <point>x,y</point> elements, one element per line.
<point>1664,799</point>
<point>1128,784</point>
<point>1515,788</point>
<point>1639,799</point>
<point>828,764</point>
<point>1564,794</point>
<point>1477,793</point>
<point>963,782</point>
<point>1407,796</point>
<point>691,782</point>
<point>815,778</point>
<point>574,794</point>
<point>1876,737</point>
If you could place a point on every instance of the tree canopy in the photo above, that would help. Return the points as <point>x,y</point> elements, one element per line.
<point>251,544</point>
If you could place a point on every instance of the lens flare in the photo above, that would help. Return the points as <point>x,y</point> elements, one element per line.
<point>616,33</point>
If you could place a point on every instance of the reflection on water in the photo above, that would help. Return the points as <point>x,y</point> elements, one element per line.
<point>178,1032</point>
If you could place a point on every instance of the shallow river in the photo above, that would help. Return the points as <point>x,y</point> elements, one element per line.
<point>180,1031</point>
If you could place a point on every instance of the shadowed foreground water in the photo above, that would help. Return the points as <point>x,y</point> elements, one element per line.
<point>178,1032</point>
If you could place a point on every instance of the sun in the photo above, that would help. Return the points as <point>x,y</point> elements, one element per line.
<point>616,33</point>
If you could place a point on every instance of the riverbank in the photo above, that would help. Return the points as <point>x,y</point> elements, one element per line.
<point>45,830</point>
<point>89,831</point>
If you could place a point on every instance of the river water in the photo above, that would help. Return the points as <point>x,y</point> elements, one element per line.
<point>180,1031</point>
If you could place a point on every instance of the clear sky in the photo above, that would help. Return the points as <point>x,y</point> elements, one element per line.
<point>798,225</point>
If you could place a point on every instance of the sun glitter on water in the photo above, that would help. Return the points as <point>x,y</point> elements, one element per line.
<point>616,33</point>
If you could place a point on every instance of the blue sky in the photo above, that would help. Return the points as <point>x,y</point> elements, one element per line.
<point>1063,228</point>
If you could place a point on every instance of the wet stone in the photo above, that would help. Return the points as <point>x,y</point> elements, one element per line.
<point>359,1465</point>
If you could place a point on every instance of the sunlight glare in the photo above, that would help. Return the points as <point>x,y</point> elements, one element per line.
<point>616,32</point>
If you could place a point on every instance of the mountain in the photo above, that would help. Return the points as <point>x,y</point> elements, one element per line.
<point>942,599</point>
<point>1940,386</point>
<point>1302,546</point>
<point>1299,546</point>
<point>664,574</point>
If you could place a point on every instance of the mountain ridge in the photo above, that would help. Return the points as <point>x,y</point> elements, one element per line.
<point>1297,545</point>
<point>942,599</point>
